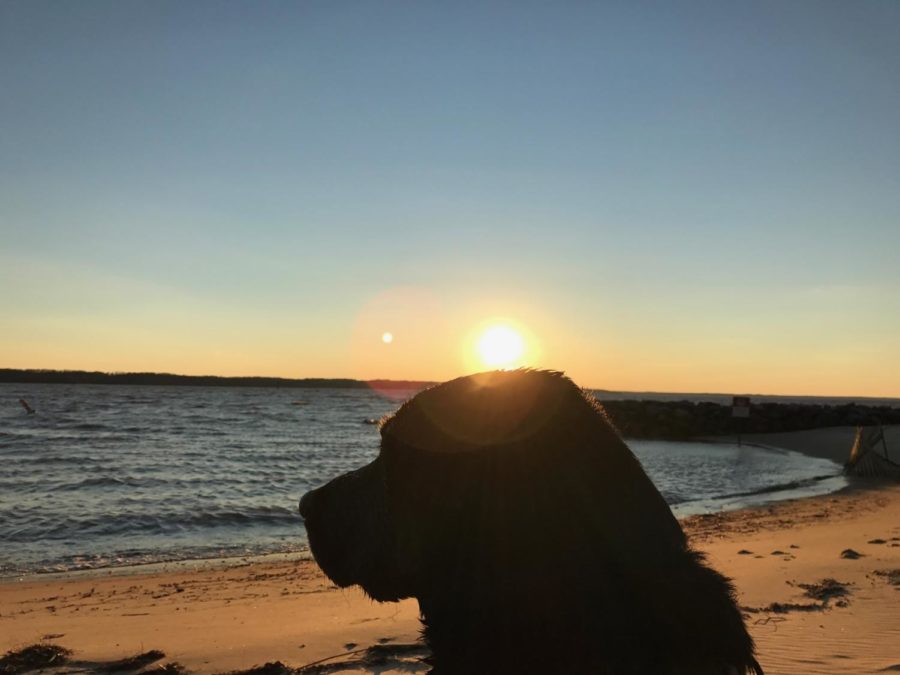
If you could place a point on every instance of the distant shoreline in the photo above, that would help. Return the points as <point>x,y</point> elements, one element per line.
<point>29,376</point>
<point>50,376</point>
<point>672,417</point>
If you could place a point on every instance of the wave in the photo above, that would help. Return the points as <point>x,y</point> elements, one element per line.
<point>767,489</point>
<point>101,481</point>
<point>74,458</point>
<point>143,556</point>
<point>780,487</point>
<point>31,484</point>
<point>72,528</point>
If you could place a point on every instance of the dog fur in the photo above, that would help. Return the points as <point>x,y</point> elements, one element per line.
<point>508,505</point>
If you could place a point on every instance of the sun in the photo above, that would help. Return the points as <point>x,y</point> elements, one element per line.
<point>501,346</point>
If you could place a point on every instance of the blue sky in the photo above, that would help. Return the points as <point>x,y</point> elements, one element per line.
<point>671,195</point>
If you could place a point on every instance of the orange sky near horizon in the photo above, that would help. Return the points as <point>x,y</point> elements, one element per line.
<point>435,340</point>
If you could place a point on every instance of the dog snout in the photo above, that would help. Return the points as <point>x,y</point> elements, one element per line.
<point>307,502</point>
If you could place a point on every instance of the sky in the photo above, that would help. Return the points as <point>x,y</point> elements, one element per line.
<point>667,196</point>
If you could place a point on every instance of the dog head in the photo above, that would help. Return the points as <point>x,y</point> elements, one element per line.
<point>507,504</point>
<point>484,481</point>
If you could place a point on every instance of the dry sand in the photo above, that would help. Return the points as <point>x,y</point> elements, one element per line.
<point>219,617</point>
<point>771,552</point>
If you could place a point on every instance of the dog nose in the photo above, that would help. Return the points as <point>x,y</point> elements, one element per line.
<point>306,502</point>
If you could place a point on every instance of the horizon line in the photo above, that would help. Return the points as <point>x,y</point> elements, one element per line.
<point>414,382</point>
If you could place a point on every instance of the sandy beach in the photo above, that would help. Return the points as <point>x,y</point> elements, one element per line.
<point>818,580</point>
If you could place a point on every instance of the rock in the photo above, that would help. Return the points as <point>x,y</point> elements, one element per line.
<point>850,554</point>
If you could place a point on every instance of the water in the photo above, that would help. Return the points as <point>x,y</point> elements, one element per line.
<point>116,475</point>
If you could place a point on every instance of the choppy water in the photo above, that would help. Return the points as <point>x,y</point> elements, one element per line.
<point>115,475</point>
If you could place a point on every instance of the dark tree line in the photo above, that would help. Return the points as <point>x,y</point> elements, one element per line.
<point>96,377</point>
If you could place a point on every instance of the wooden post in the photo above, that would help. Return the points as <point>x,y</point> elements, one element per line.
<point>740,408</point>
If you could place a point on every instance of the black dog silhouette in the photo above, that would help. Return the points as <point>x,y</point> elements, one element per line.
<point>508,505</point>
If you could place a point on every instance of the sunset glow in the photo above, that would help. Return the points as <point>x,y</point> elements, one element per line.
<point>501,347</point>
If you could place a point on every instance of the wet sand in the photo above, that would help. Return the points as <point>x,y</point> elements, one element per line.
<point>833,443</point>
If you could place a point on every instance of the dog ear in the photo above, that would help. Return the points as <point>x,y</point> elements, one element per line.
<point>605,490</point>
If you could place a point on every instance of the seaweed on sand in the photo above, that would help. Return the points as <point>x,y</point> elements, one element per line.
<point>825,590</point>
<point>269,668</point>
<point>132,662</point>
<point>891,576</point>
<point>822,593</point>
<point>33,657</point>
<point>375,656</point>
<point>171,668</point>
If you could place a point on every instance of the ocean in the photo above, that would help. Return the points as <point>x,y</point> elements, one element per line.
<point>106,476</point>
